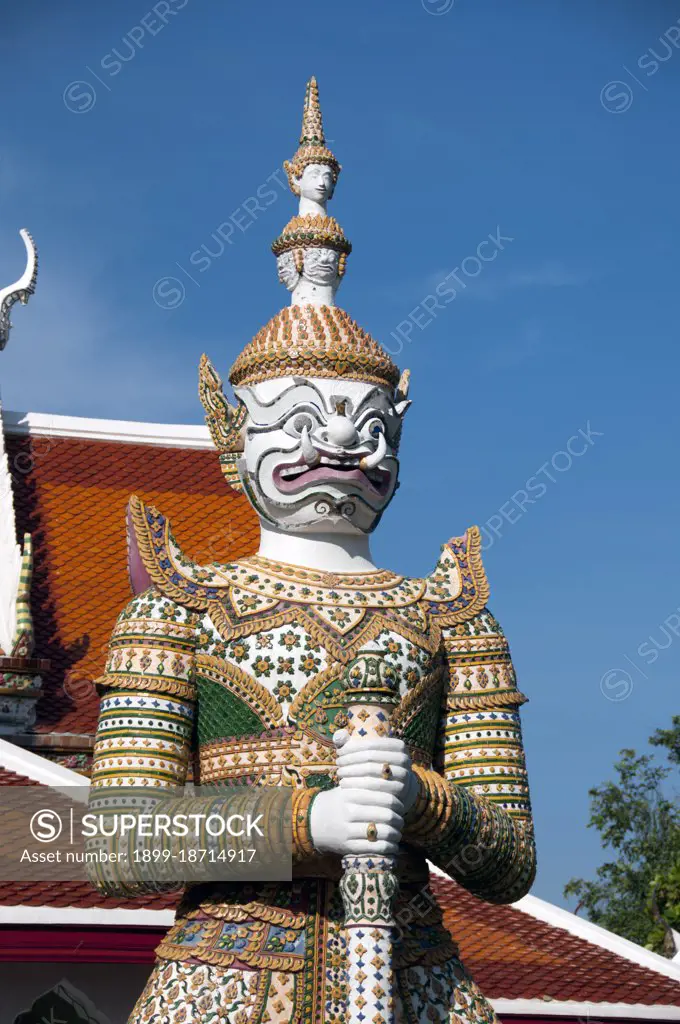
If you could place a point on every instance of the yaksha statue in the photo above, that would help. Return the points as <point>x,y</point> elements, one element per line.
<point>258,671</point>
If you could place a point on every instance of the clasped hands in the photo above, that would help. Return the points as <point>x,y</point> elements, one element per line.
<point>377,787</point>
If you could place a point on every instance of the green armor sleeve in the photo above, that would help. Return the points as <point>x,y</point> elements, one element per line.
<point>148,707</point>
<point>473,816</point>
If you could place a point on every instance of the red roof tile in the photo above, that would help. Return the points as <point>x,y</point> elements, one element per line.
<point>75,894</point>
<point>71,495</point>
<point>512,955</point>
<point>8,778</point>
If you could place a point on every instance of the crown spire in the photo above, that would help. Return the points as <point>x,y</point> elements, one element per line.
<point>312,120</point>
<point>311,253</point>
<point>312,148</point>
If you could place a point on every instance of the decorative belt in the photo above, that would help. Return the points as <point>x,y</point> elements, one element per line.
<point>284,756</point>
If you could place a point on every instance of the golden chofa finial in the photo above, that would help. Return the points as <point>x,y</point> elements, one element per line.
<point>312,149</point>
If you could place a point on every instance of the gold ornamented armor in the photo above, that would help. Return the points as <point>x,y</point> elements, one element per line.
<point>234,669</point>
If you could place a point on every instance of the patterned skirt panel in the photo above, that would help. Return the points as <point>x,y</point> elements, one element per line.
<point>269,954</point>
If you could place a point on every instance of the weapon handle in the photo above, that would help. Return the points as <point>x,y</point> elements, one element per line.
<point>369,888</point>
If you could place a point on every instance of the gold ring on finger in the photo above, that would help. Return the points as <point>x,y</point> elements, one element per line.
<point>372,832</point>
<point>386,771</point>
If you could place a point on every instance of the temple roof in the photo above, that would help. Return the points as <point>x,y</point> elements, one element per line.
<point>532,950</point>
<point>72,479</point>
<point>511,953</point>
<point>532,959</point>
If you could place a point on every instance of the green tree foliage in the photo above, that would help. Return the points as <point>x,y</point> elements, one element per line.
<point>637,893</point>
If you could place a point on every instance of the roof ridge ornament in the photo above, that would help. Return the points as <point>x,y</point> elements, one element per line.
<point>21,684</point>
<point>21,290</point>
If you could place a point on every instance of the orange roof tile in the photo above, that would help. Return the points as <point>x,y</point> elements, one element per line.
<point>75,894</point>
<point>512,955</point>
<point>8,778</point>
<point>71,495</point>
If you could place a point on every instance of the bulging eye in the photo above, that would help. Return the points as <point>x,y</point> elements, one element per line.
<point>297,423</point>
<point>374,427</point>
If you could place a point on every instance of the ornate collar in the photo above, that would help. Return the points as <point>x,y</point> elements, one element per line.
<point>456,590</point>
<point>283,582</point>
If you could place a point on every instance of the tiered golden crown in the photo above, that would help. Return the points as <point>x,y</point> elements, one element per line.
<point>314,341</point>
<point>303,232</point>
<point>302,340</point>
<point>312,148</point>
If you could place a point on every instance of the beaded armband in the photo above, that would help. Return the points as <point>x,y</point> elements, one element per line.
<point>433,816</point>
<point>479,845</point>
<point>302,836</point>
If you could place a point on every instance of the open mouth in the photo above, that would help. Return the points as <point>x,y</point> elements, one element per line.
<point>296,476</point>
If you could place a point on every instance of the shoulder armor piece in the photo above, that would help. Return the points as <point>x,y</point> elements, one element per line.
<point>457,588</point>
<point>155,558</point>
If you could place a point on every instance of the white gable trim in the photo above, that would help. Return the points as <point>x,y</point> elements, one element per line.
<point>87,916</point>
<point>594,933</point>
<point>586,1012</point>
<point>541,910</point>
<point>10,552</point>
<point>39,769</point>
<point>173,435</point>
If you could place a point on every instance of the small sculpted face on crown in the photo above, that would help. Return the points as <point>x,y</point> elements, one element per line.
<point>317,183</point>
<point>321,266</point>
<point>287,271</point>
<point>320,455</point>
<point>318,278</point>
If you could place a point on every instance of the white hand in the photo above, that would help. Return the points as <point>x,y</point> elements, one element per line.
<point>340,818</point>
<point>377,764</point>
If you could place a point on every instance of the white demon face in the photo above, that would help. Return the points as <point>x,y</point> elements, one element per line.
<point>321,265</point>
<point>287,271</point>
<point>320,455</point>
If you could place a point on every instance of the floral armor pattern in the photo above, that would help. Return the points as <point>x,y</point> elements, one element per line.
<point>233,667</point>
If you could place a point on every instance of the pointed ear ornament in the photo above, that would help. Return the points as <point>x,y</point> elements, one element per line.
<point>226,422</point>
<point>401,399</point>
<point>403,386</point>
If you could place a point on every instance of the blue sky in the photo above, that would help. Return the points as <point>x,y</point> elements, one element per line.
<point>549,122</point>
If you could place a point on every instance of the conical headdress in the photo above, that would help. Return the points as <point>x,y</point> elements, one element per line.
<point>312,148</point>
<point>311,340</point>
<point>314,341</point>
